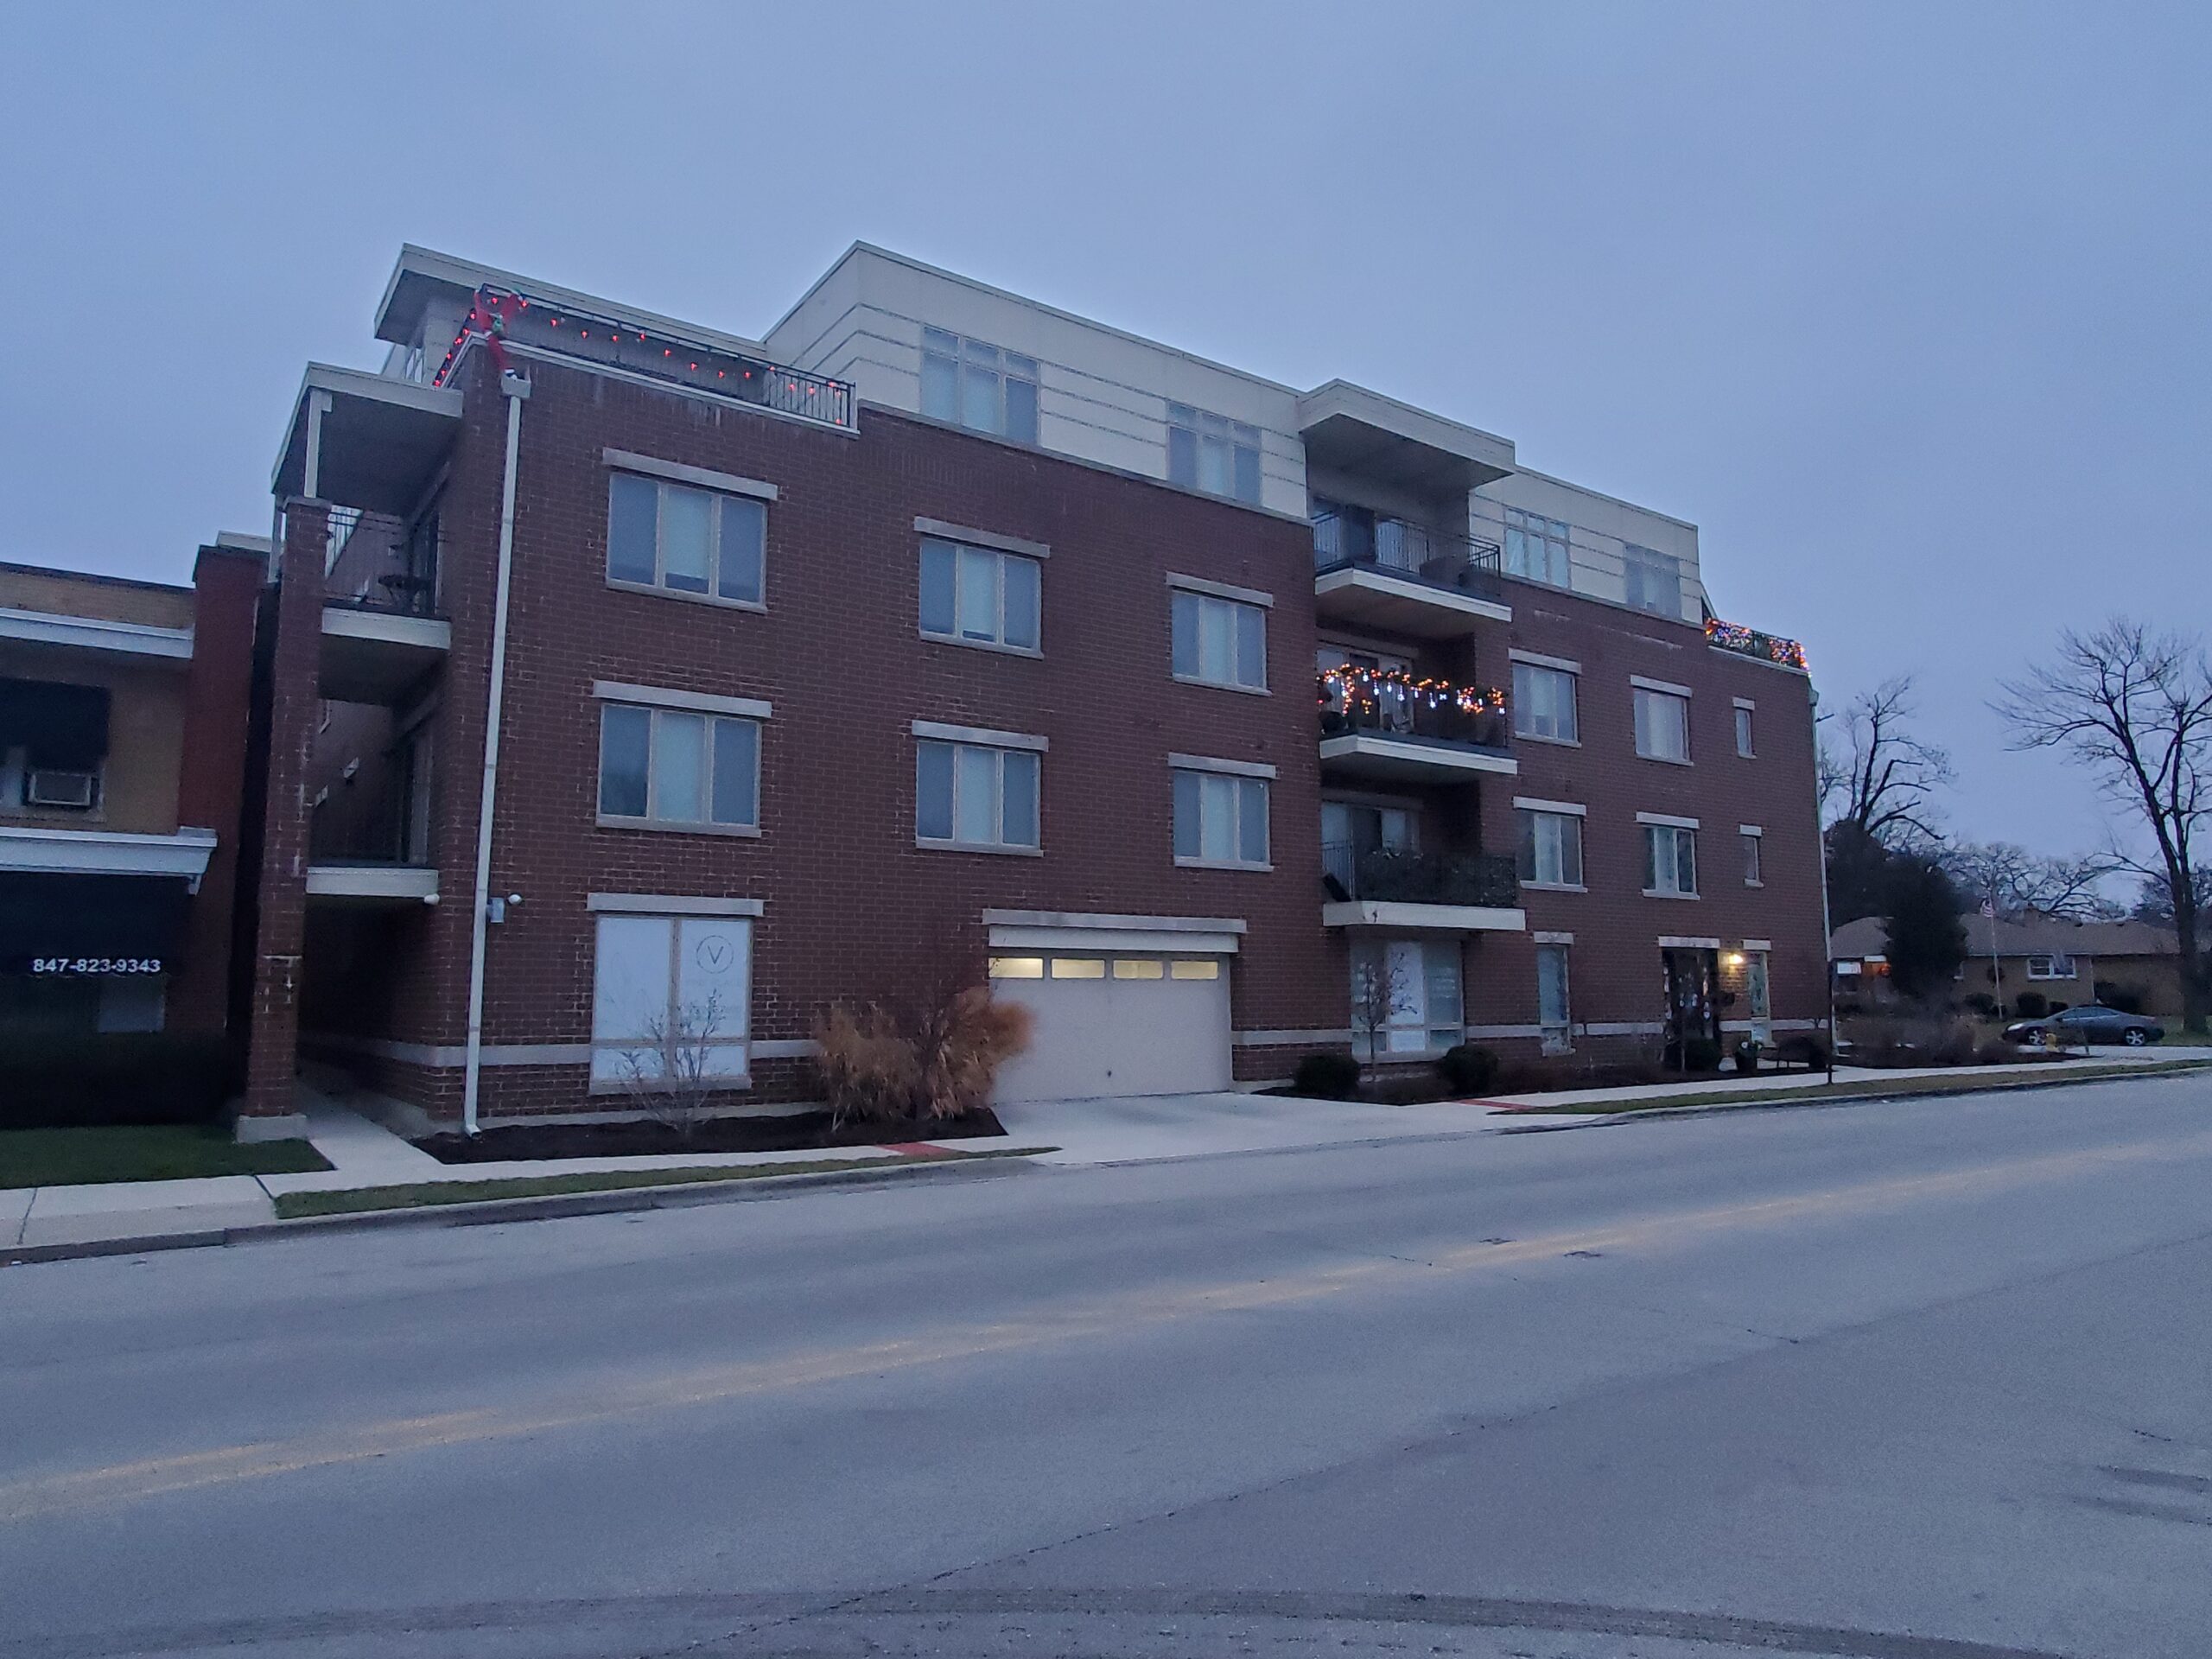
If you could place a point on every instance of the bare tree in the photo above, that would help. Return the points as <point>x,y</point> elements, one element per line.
<point>1879,778</point>
<point>2014,879</point>
<point>1380,990</point>
<point>2136,708</point>
<point>671,1074</point>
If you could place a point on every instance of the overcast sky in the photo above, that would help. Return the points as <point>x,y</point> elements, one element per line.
<point>1905,307</point>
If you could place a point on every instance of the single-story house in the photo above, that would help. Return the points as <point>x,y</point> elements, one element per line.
<point>2060,959</point>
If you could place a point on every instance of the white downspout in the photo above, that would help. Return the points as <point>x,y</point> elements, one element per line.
<point>514,388</point>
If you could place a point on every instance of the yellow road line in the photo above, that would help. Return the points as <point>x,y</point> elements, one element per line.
<point>1119,1312</point>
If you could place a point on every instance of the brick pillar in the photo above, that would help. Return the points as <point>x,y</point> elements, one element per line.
<point>272,1050</point>
<point>218,707</point>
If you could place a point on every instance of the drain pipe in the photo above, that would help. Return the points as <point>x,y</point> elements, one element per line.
<point>514,388</point>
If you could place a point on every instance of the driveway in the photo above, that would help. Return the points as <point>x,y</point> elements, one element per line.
<point>1134,1129</point>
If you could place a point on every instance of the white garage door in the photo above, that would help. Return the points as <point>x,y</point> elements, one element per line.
<point>1116,1025</point>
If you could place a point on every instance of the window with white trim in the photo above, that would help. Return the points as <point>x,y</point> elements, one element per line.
<point>1662,725</point>
<point>670,766</point>
<point>1551,847</point>
<point>976,385</point>
<point>979,596</point>
<point>972,795</point>
<point>685,540</point>
<point>1535,547</point>
<point>1553,1015</point>
<point>1752,876</point>
<point>1670,859</point>
<point>1414,986</point>
<point>1220,818</point>
<point>1544,703</point>
<point>671,998</point>
<point>1212,452</point>
<point>1219,641</point>
<point>1743,731</point>
<point>1654,580</point>
<point>2054,966</point>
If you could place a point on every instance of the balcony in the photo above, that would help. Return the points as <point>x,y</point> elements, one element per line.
<point>1391,728</point>
<point>381,634</point>
<point>1404,578</point>
<point>1397,887</point>
<point>1750,642</point>
<point>365,858</point>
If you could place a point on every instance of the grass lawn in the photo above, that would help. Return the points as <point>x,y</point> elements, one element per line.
<point>164,1153</point>
<point>2030,1075</point>
<point>291,1207</point>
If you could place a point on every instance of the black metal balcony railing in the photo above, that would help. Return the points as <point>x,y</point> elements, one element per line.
<point>1415,552</point>
<point>1750,642</point>
<point>545,326</point>
<point>377,562</point>
<point>1398,875</point>
<point>1356,700</point>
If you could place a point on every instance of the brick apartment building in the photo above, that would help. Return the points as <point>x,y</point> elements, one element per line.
<point>124,721</point>
<point>941,636</point>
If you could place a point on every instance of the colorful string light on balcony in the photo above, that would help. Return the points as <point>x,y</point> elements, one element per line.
<point>1350,682</point>
<point>1772,647</point>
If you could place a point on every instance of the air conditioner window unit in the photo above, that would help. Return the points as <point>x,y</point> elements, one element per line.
<point>79,789</point>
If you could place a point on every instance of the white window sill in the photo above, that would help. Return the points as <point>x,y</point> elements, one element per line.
<point>607,820</point>
<point>1554,887</point>
<point>1660,893</point>
<point>1221,685</point>
<point>1664,759</point>
<point>654,590</point>
<point>1184,863</point>
<point>981,644</point>
<point>928,846</point>
<point>1745,754</point>
<point>1556,742</point>
<point>1749,883</point>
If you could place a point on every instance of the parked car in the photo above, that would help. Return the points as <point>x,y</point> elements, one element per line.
<point>2090,1023</point>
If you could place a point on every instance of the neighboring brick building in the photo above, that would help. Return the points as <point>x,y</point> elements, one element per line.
<point>123,720</point>
<point>816,691</point>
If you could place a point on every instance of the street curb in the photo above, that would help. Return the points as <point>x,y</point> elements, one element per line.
<point>1991,1086</point>
<point>546,1207</point>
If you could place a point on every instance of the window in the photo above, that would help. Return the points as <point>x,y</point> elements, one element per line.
<point>54,742</point>
<point>1351,831</point>
<point>1078,967</point>
<point>1743,730</point>
<point>1552,1014</point>
<point>1220,641</point>
<point>1194,968</point>
<point>969,795</point>
<point>1138,968</point>
<point>1017,968</point>
<point>979,596</point>
<point>978,385</point>
<point>685,540</point>
<point>1406,997</point>
<point>670,988</point>
<point>1752,839</point>
<point>1670,859</point>
<point>1655,581</point>
<point>1662,725</point>
<point>1212,452</point>
<point>1551,847</point>
<point>1535,547</point>
<point>1544,703</point>
<point>1220,818</point>
<point>666,766</point>
<point>2054,966</point>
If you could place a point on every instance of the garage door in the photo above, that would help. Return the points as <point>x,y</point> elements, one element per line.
<point>1116,1025</point>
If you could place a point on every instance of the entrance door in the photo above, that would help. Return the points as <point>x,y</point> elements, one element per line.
<point>1760,1000</point>
<point>1693,1006</point>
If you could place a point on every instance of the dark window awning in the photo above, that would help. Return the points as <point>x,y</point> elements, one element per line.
<point>92,919</point>
<point>63,727</point>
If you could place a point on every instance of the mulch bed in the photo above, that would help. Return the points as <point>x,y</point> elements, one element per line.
<point>641,1137</point>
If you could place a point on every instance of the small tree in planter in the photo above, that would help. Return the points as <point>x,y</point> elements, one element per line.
<point>670,1075</point>
<point>1380,990</point>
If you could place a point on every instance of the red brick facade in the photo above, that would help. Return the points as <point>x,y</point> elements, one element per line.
<point>852,909</point>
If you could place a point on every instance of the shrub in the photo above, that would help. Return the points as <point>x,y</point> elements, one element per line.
<point>2129,998</point>
<point>1331,1076</point>
<point>1995,1051</point>
<point>1809,1051</point>
<point>1982,1003</point>
<point>961,1045</point>
<point>2057,1006</point>
<point>2031,1005</point>
<point>1923,1037</point>
<point>1468,1069</point>
<point>1700,1054</point>
<point>873,1071</point>
<point>869,1071</point>
<point>138,1077</point>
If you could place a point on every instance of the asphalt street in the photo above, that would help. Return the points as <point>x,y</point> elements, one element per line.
<point>1906,1381</point>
